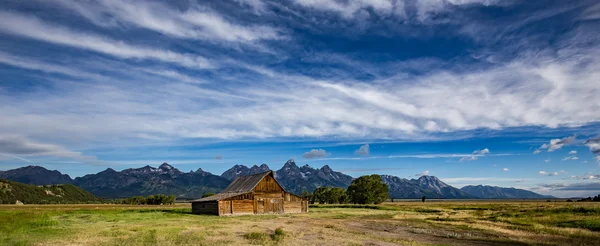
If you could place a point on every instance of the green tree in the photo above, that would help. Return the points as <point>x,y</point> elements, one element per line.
<point>423,198</point>
<point>369,189</point>
<point>207,194</point>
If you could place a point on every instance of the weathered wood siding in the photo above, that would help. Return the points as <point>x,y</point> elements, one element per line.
<point>205,208</point>
<point>243,207</point>
<point>268,184</point>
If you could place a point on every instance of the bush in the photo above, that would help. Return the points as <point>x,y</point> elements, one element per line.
<point>279,234</point>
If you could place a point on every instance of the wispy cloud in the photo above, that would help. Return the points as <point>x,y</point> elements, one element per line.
<point>17,147</point>
<point>33,27</point>
<point>195,22</point>
<point>417,156</point>
<point>476,154</point>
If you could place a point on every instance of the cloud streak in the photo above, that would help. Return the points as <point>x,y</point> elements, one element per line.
<point>34,28</point>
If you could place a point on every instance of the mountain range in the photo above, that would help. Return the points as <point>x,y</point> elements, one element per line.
<point>494,192</point>
<point>428,186</point>
<point>167,179</point>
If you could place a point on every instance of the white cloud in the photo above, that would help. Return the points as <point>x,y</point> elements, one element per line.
<point>594,145</point>
<point>475,155</point>
<point>505,169</point>
<point>482,151</point>
<point>357,8</point>
<point>574,158</point>
<point>32,27</point>
<point>219,157</point>
<point>297,106</point>
<point>193,23</point>
<point>314,153</point>
<point>558,143</point>
<point>550,174</point>
<point>572,152</point>
<point>424,173</point>
<point>537,151</point>
<point>587,176</point>
<point>363,150</point>
<point>468,158</point>
<point>547,160</point>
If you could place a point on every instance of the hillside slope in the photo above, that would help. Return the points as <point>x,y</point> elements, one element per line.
<point>11,191</point>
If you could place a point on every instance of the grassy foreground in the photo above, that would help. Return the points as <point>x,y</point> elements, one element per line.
<point>403,223</point>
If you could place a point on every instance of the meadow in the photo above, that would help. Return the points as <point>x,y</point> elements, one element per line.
<point>398,223</point>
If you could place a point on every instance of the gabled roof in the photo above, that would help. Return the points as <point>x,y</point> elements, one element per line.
<point>246,184</point>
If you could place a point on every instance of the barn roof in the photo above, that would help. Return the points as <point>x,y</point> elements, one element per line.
<point>219,196</point>
<point>246,184</point>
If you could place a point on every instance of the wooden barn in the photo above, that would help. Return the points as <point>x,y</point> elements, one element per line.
<point>253,194</point>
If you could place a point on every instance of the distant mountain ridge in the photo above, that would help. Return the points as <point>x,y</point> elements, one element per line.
<point>428,186</point>
<point>494,192</point>
<point>36,175</point>
<point>241,170</point>
<point>167,179</point>
<point>298,179</point>
<point>149,180</point>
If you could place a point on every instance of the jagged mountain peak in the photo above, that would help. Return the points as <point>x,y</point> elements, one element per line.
<point>166,166</point>
<point>326,168</point>
<point>290,165</point>
<point>242,170</point>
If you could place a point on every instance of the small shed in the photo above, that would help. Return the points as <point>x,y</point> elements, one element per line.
<point>253,194</point>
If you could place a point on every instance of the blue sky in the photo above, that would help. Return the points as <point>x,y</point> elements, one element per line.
<point>472,91</point>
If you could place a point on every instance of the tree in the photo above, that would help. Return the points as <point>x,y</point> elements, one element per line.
<point>207,194</point>
<point>369,189</point>
<point>423,198</point>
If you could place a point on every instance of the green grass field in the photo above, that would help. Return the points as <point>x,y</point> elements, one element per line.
<point>403,223</point>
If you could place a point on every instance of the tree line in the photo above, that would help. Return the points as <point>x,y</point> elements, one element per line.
<point>369,189</point>
<point>591,199</point>
<point>159,199</point>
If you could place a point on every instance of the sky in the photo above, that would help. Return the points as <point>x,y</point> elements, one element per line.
<point>493,92</point>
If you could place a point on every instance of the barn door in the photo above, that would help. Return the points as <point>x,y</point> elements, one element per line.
<point>274,205</point>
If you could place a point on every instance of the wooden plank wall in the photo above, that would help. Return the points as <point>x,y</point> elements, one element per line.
<point>224,207</point>
<point>243,206</point>
<point>205,208</point>
<point>292,207</point>
<point>268,184</point>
